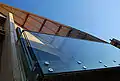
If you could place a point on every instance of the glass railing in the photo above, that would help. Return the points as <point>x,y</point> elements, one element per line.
<point>64,53</point>
<point>55,54</point>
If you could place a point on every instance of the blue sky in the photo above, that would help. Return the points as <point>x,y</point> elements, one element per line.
<point>100,18</point>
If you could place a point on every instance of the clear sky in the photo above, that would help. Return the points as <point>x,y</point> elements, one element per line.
<point>100,18</point>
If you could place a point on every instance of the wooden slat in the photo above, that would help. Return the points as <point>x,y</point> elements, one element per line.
<point>42,25</point>
<point>46,30</point>
<point>5,12</point>
<point>63,31</point>
<point>51,26</point>
<point>25,20</point>
<point>58,29</point>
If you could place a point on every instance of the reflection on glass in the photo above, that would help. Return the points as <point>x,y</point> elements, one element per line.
<point>64,53</point>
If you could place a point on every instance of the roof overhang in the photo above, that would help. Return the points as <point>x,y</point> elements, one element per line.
<point>40,24</point>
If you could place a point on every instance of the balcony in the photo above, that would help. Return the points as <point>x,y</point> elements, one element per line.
<point>50,57</point>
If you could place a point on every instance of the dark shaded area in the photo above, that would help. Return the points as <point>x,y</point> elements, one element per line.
<point>111,74</point>
<point>2,33</point>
